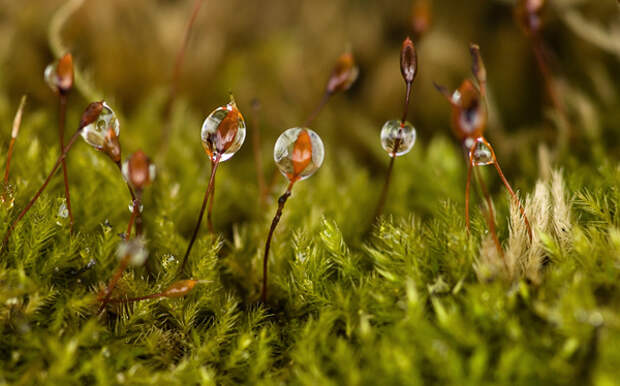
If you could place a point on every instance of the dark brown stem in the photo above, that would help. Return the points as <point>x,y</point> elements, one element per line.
<point>134,215</point>
<point>491,215</point>
<point>386,185</point>
<point>131,192</point>
<point>202,211</point>
<point>406,104</point>
<point>38,193</point>
<point>210,208</point>
<point>258,160</point>
<point>539,53</point>
<point>509,188</point>
<point>274,224</point>
<point>8,160</point>
<point>140,298</point>
<point>62,113</point>
<point>318,109</point>
<point>117,276</point>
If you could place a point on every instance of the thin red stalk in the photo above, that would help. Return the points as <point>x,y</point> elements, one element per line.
<point>406,104</point>
<point>470,158</point>
<point>202,211</point>
<point>114,280</point>
<point>134,214</point>
<point>491,215</point>
<point>509,188</point>
<point>38,193</point>
<point>538,47</point>
<point>386,185</point>
<point>274,224</point>
<point>210,208</point>
<point>62,113</point>
<point>318,109</point>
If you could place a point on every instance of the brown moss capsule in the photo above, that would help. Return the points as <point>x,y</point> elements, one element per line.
<point>408,61</point>
<point>343,75</point>
<point>138,170</point>
<point>91,113</point>
<point>421,17</point>
<point>179,288</point>
<point>59,75</point>
<point>469,120</point>
<point>528,14</point>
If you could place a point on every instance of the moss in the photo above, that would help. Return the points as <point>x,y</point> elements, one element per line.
<point>412,299</point>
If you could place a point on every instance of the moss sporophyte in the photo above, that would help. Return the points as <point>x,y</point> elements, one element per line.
<point>469,120</point>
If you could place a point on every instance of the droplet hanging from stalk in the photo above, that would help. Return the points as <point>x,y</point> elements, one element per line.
<point>298,153</point>
<point>222,135</point>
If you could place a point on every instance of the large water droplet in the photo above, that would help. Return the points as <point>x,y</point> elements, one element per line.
<point>95,133</point>
<point>482,155</point>
<point>284,153</point>
<point>392,131</point>
<point>223,132</point>
<point>135,249</point>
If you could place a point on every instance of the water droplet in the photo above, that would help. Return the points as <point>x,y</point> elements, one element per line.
<point>63,213</point>
<point>482,155</point>
<point>223,131</point>
<point>135,249</point>
<point>392,131</point>
<point>141,208</point>
<point>298,153</point>
<point>95,134</point>
<point>7,195</point>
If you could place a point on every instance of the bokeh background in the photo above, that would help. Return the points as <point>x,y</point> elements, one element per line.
<point>281,53</point>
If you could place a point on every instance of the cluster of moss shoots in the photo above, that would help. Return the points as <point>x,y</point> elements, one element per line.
<point>298,152</point>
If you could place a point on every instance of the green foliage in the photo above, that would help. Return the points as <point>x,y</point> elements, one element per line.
<point>412,299</point>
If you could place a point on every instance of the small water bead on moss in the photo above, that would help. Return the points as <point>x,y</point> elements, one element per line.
<point>7,194</point>
<point>393,131</point>
<point>298,153</point>
<point>62,216</point>
<point>482,155</point>
<point>133,250</point>
<point>223,131</point>
<point>102,133</point>
<point>139,171</point>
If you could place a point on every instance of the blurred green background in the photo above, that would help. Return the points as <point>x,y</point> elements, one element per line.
<point>281,52</point>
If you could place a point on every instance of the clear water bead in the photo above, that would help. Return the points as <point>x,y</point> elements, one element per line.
<point>298,153</point>
<point>223,131</point>
<point>135,249</point>
<point>141,208</point>
<point>95,133</point>
<point>392,131</point>
<point>482,155</point>
<point>51,77</point>
<point>62,216</point>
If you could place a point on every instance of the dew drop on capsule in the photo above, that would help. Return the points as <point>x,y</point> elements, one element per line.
<point>393,130</point>
<point>298,153</point>
<point>482,155</point>
<point>223,131</point>
<point>50,76</point>
<point>95,133</point>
